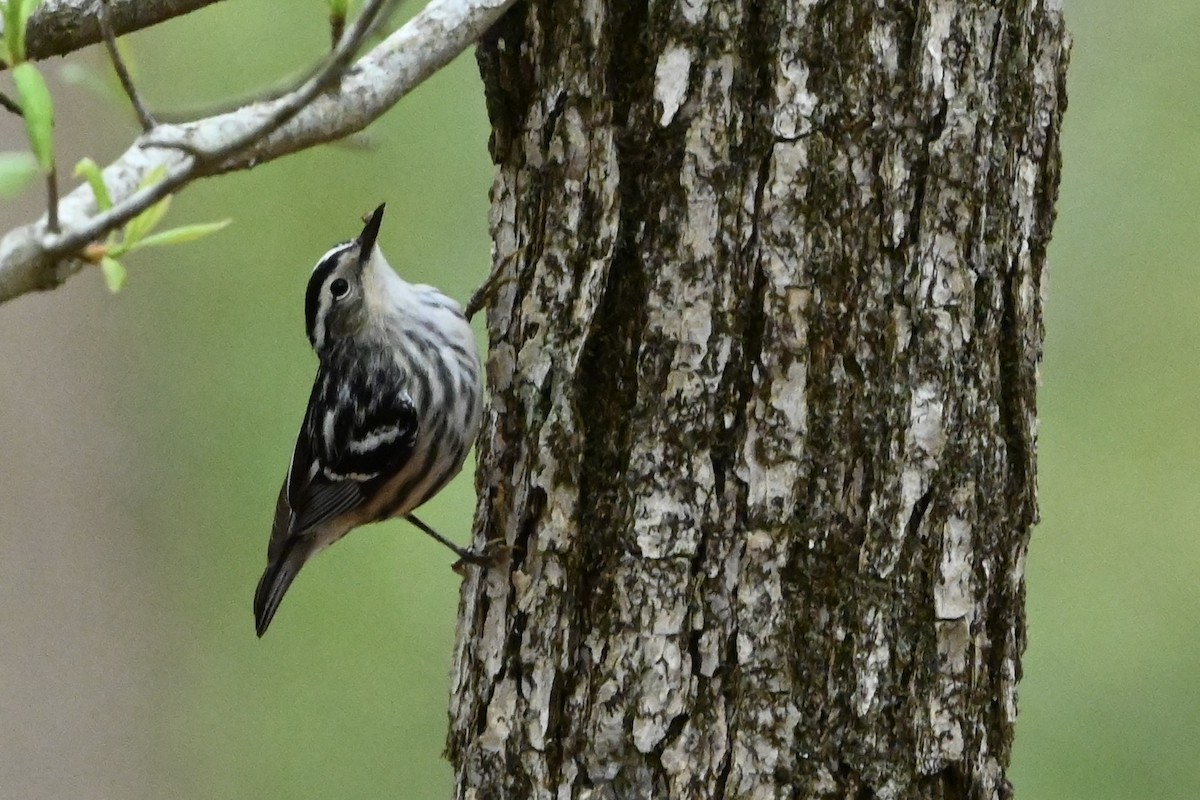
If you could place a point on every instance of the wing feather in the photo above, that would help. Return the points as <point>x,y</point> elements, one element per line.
<point>345,451</point>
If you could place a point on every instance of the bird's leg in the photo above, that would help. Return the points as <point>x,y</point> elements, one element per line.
<point>487,292</point>
<point>485,559</point>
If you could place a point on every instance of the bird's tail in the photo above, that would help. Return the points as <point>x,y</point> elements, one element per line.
<point>273,585</point>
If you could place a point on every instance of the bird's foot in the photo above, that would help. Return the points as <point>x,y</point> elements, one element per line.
<point>493,553</point>
<point>485,294</point>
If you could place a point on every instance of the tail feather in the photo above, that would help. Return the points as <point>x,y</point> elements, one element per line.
<point>274,583</point>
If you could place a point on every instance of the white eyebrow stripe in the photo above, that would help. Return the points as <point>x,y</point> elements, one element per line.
<point>337,248</point>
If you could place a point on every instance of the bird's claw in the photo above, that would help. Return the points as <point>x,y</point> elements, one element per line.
<point>493,553</point>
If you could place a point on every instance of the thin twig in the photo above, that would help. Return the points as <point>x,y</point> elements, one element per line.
<point>382,22</point>
<point>110,43</point>
<point>10,105</point>
<point>52,199</point>
<point>31,258</point>
<point>199,158</point>
<point>59,27</point>
<point>189,114</point>
<point>289,105</point>
<point>337,25</point>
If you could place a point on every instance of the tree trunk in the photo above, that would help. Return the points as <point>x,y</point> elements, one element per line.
<point>763,397</point>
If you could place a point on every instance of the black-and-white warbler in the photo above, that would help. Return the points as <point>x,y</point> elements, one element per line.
<point>394,409</point>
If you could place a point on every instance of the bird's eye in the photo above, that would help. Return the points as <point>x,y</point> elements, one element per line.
<point>338,288</point>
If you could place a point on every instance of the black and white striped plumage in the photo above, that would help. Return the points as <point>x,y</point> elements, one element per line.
<point>394,409</point>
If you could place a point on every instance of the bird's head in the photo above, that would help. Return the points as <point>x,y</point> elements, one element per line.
<point>336,303</point>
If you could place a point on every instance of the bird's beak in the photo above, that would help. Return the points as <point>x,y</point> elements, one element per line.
<point>366,239</point>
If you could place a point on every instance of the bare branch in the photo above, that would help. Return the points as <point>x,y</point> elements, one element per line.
<point>228,105</point>
<point>64,26</point>
<point>199,157</point>
<point>110,43</point>
<point>382,22</point>
<point>287,106</point>
<point>31,258</point>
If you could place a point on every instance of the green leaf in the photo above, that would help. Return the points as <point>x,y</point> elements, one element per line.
<point>184,233</point>
<point>16,19</point>
<point>114,273</point>
<point>144,222</point>
<point>12,31</point>
<point>16,169</point>
<point>339,7</point>
<point>23,12</point>
<point>86,168</point>
<point>38,111</point>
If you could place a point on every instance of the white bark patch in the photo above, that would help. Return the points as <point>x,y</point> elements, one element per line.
<point>884,46</point>
<point>666,509</point>
<point>500,715</point>
<point>533,362</point>
<point>671,81</point>
<point>941,19</point>
<point>706,148</point>
<point>896,174</point>
<point>711,645</point>
<point>494,624</point>
<point>889,790</point>
<point>679,756</point>
<point>755,760</point>
<point>924,441</point>
<point>954,643</point>
<point>757,596</point>
<point>539,686</point>
<point>660,701</point>
<point>871,657</point>
<point>594,10</point>
<point>926,437</point>
<point>647,656</point>
<point>956,609</point>
<point>794,103</point>
<point>694,11</point>
<point>953,595</point>
<point>1009,688</point>
<point>782,405</point>
<point>902,327</point>
<point>788,395</point>
<point>501,365</point>
<point>770,483</point>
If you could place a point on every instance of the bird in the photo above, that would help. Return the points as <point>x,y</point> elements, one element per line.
<point>395,406</point>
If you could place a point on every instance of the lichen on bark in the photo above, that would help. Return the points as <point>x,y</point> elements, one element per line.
<point>763,422</point>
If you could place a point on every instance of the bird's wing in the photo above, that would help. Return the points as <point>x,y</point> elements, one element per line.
<point>345,451</point>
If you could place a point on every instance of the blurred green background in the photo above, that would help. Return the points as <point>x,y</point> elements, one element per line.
<point>165,416</point>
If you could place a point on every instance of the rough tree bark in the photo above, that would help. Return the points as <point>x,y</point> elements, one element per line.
<point>763,422</point>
